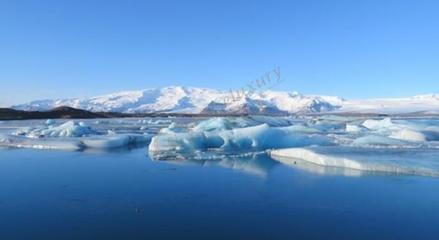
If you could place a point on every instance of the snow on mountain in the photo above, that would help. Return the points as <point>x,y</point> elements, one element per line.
<point>168,99</point>
<point>177,99</point>
<point>272,102</point>
<point>420,103</point>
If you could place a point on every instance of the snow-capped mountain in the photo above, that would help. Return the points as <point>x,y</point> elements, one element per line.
<point>190,100</point>
<point>272,102</point>
<point>177,99</point>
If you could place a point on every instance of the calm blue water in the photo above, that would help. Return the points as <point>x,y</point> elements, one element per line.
<point>125,195</point>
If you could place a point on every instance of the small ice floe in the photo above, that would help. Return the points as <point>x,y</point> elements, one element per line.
<point>67,129</point>
<point>114,141</point>
<point>50,122</point>
<point>352,128</point>
<point>373,124</point>
<point>214,124</point>
<point>409,135</point>
<point>75,143</point>
<point>386,131</point>
<point>394,161</point>
<point>142,121</point>
<point>272,121</point>
<point>374,140</point>
<point>70,135</point>
<point>14,141</point>
<point>159,121</point>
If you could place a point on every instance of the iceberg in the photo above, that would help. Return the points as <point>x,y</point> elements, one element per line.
<point>409,135</point>
<point>217,123</point>
<point>50,121</point>
<point>354,145</point>
<point>372,124</point>
<point>67,129</point>
<point>115,141</point>
<point>260,137</point>
<point>241,134</point>
<point>395,161</point>
<point>351,128</point>
<point>376,140</point>
<point>72,135</point>
<point>13,141</point>
<point>75,143</point>
<point>229,123</point>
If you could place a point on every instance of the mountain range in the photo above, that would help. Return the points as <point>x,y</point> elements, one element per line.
<point>176,99</point>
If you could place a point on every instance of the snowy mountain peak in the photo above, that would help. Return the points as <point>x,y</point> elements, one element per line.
<point>177,99</point>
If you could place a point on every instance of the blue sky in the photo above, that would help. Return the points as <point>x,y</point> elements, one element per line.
<point>354,49</point>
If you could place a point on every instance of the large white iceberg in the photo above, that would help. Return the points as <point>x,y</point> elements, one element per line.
<point>397,161</point>
<point>258,137</point>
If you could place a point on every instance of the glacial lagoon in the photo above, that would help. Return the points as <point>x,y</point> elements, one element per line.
<point>216,178</point>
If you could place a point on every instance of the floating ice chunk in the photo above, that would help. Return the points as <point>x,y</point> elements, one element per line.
<point>271,121</point>
<point>114,141</point>
<point>378,124</point>
<point>398,161</point>
<point>172,126</point>
<point>259,137</point>
<point>159,121</point>
<point>302,128</point>
<point>50,122</point>
<point>228,123</point>
<point>376,140</point>
<point>327,126</point>
<point>265,137</point>
<point>4,139</point>
<point>47,143</point>
<point>351,128</point>
<point>67,129</point>
<point>102,122</point>
<point>75,143</point>
<point>214,124</point>
<point>142,121</point>
<point>409,135</point>
<point>23,131</point>
<point>171,129</point>
<point>170,141</point>
<point>111,132</point>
